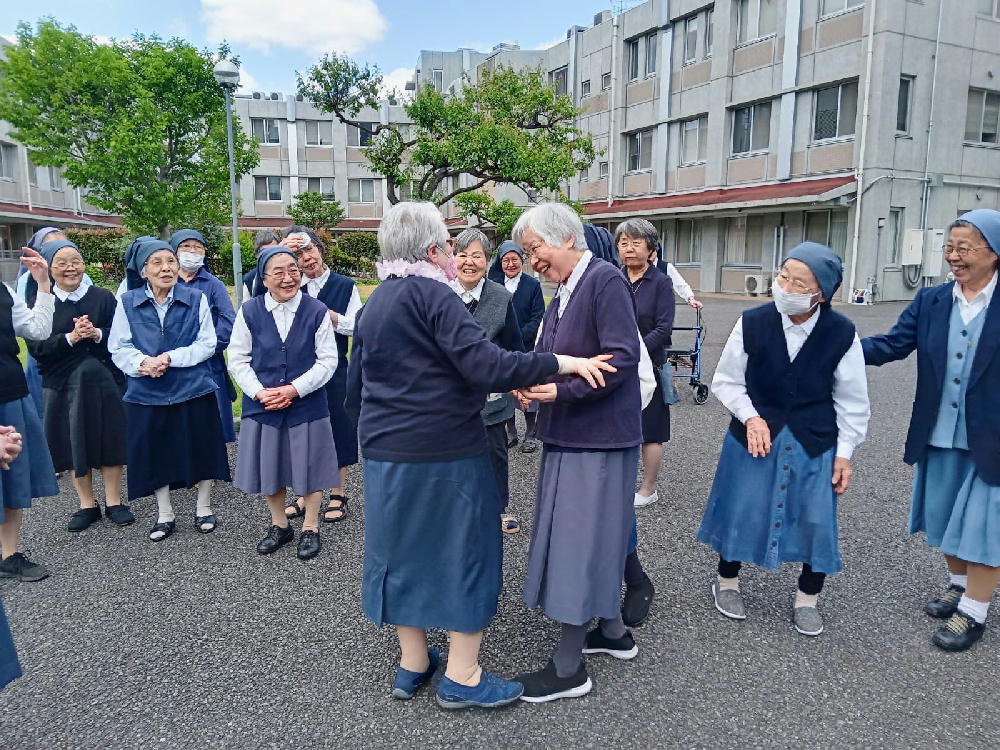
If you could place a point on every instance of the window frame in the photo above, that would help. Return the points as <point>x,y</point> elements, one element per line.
<point>752,109</point>
<point>437,79</point>
<point>848,5</point>
<point>584,88</point>
<point>994,13</point>
<point>838,135</point>
<point>650,43</point>
<point>897,218</point>
<point>603,169</point>
<point>359,181</point>
<point>910,81</point>
<point>327,197</point>
<point>559,78</point>
<point>8,161</point>
<point>632,59</point>
<point>267,188</point>
<point>318,124</point>
<point>984,95</point>
<point>265,131</point>
<point>55,180</point>
<point>700,131</point>
<point>32,172</point>
<point>642,154</point>
<point>369,132</point>
<point>692,254</point>
<point>690,35</point>
<point>605,81</point>
<point>743,35</point>
<point>709,32</point>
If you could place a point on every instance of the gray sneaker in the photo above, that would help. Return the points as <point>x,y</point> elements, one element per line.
<point>808,621</point>
<point>729,602</point>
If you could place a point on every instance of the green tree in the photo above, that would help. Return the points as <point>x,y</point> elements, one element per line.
<point>309,209</point>
<point>508,128</point>
<point>139,125</point>
<point>503,215</point>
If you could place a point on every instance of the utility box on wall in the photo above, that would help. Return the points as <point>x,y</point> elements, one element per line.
<point>922,247</point>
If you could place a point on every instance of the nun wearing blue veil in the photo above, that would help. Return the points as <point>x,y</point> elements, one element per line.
<point>162,338</point>
<point>954,435</point>
<point>792,374</point>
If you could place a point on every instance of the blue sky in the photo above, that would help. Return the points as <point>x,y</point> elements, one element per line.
<point>276,37</point>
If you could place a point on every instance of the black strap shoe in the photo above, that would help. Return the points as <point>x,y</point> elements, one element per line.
<point>959,633</point>
<point>309,545</point>
<point>277,537</point>
<point>119,515</point>
<point>83,518</point>
<point>945,605</point>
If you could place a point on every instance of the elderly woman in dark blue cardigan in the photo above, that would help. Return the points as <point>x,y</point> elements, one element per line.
<point>420,370</point>
<point>162,338</point>
<point>954,436</point>
<point>584,514</point>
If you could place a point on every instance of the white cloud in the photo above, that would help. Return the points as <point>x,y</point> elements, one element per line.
<point>248,84</point>
<point>103,40</point>
<point>397,80</point>
<point>317,26</point>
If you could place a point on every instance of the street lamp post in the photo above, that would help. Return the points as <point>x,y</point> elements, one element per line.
<point>228,76</point>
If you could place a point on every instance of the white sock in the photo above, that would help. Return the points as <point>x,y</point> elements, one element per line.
<point>957,580</point>
<point>204,498</point>
<point>166,509</point>
<point>976,610</point>
<point>805,600</point>
<point>729,584</point>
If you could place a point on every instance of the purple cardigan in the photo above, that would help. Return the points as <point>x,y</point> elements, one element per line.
<point>599,319</point>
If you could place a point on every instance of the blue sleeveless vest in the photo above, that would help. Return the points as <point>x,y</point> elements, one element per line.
<point>336,295</point>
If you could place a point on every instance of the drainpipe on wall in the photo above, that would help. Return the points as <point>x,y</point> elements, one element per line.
<point>613,110</point>
<point>863,142</point>
<point>27,181</point>
<point>925,198</point>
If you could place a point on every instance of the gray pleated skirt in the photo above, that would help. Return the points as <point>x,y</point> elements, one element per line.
<point>302,457</point>
<point>580,535</point>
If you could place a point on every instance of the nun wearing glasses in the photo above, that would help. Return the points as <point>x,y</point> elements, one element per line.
<point>792,374</point>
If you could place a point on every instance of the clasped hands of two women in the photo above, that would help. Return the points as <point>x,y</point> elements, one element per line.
<point>591,369</point>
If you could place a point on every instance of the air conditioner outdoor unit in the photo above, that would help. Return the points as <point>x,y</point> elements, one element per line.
<point>756,283</point>
<point>274,96</point>
<point>257,95</point>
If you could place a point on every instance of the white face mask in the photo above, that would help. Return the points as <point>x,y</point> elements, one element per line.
<point>190,261</point>
<point>792,303</point>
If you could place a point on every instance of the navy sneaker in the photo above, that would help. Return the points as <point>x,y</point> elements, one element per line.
<point>491,692</point>
<point>407,683</point>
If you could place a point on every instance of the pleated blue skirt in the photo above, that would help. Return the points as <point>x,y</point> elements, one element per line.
<point>10,669</point>
<point>774,509</point>
<point>30,474</point>
<point>956,510</point>
<point>433,549</point>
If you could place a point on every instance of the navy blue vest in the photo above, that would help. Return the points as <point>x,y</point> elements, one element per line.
<point>277,362</point>
<point>180,328</point>
<point>336,295</point>
<point>13,386</point>
<point>796,394</point>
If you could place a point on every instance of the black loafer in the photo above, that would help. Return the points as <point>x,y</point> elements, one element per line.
<point>161,531</point>
<point>638,599</point>
<point>206,524</point>
<point>276,538</point>
<point>309,545</point>
<point>959,633</point>
<point>119,515</point>
<point>83,518</point>
<point>945,605</point>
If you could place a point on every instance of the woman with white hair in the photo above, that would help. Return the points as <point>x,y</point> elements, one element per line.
<point>433,548</point>
<point>584,512</point>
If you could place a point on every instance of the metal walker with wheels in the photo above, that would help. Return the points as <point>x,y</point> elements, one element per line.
<point>686,363</point>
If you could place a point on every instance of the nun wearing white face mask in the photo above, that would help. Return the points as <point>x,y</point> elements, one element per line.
<point>190,247</point>
<point>793,376</point>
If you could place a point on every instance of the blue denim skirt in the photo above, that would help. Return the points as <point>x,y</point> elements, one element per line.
<point>31,473</point>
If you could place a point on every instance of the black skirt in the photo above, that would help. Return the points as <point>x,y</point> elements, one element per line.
<point>656,420</point>
<point>177,445</point>
<point>85,420</point>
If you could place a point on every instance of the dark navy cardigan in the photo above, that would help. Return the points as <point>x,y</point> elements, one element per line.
<point>655,308</point>
<point>923,326</point>
<point>599,319</point>
<point>420,370</point>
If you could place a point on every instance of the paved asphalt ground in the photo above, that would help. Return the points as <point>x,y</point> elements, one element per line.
<point>200,643</point>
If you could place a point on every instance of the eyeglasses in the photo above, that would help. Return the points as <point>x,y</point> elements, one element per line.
<point>634,244</point>
<point>64,265</point>
<point>292,273</point>
<point>963,251</point>
<point>797,286</point>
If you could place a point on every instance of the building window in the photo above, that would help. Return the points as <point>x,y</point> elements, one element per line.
<point>585,88</point>
<point>709,25</point>
<point>319,133</point>
<point>361,191</point>
<point>896,235</point>
<point>32,172</point>
<point>836,111</point>
<point>651,54</point>
<point>640,150</point>
<point>602,169</point>
<point>265,129</point>
<point>55,179</point>
<point>990,8</point>
<point>828,228</point>
<point>836,6</point>
<point>584,174</point>
<point>690,39</point>
<point>321,185</point>
<point>981,116</point>
<point>745,241</point>
<point>757,19</point>
<point>267,188</point>
<point>557,79</point>
<point>360,137</point>
<point>752,128</point>
<point>688,241</point>
<point>438,78</point>
<point>632,59</point>
<point>694,140</point>
<point>6,246</point>
<point>903,104</point>
<point>605,82</point>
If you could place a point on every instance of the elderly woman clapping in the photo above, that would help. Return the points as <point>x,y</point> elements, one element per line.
<point>420,371</point>
<point>162,338</point>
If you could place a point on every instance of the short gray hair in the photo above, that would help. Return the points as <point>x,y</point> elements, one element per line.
<point>639,229</point>
<point>264,237</point>
<point>553,222</point>
<point>467,237</point>
<point>408,228</point>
